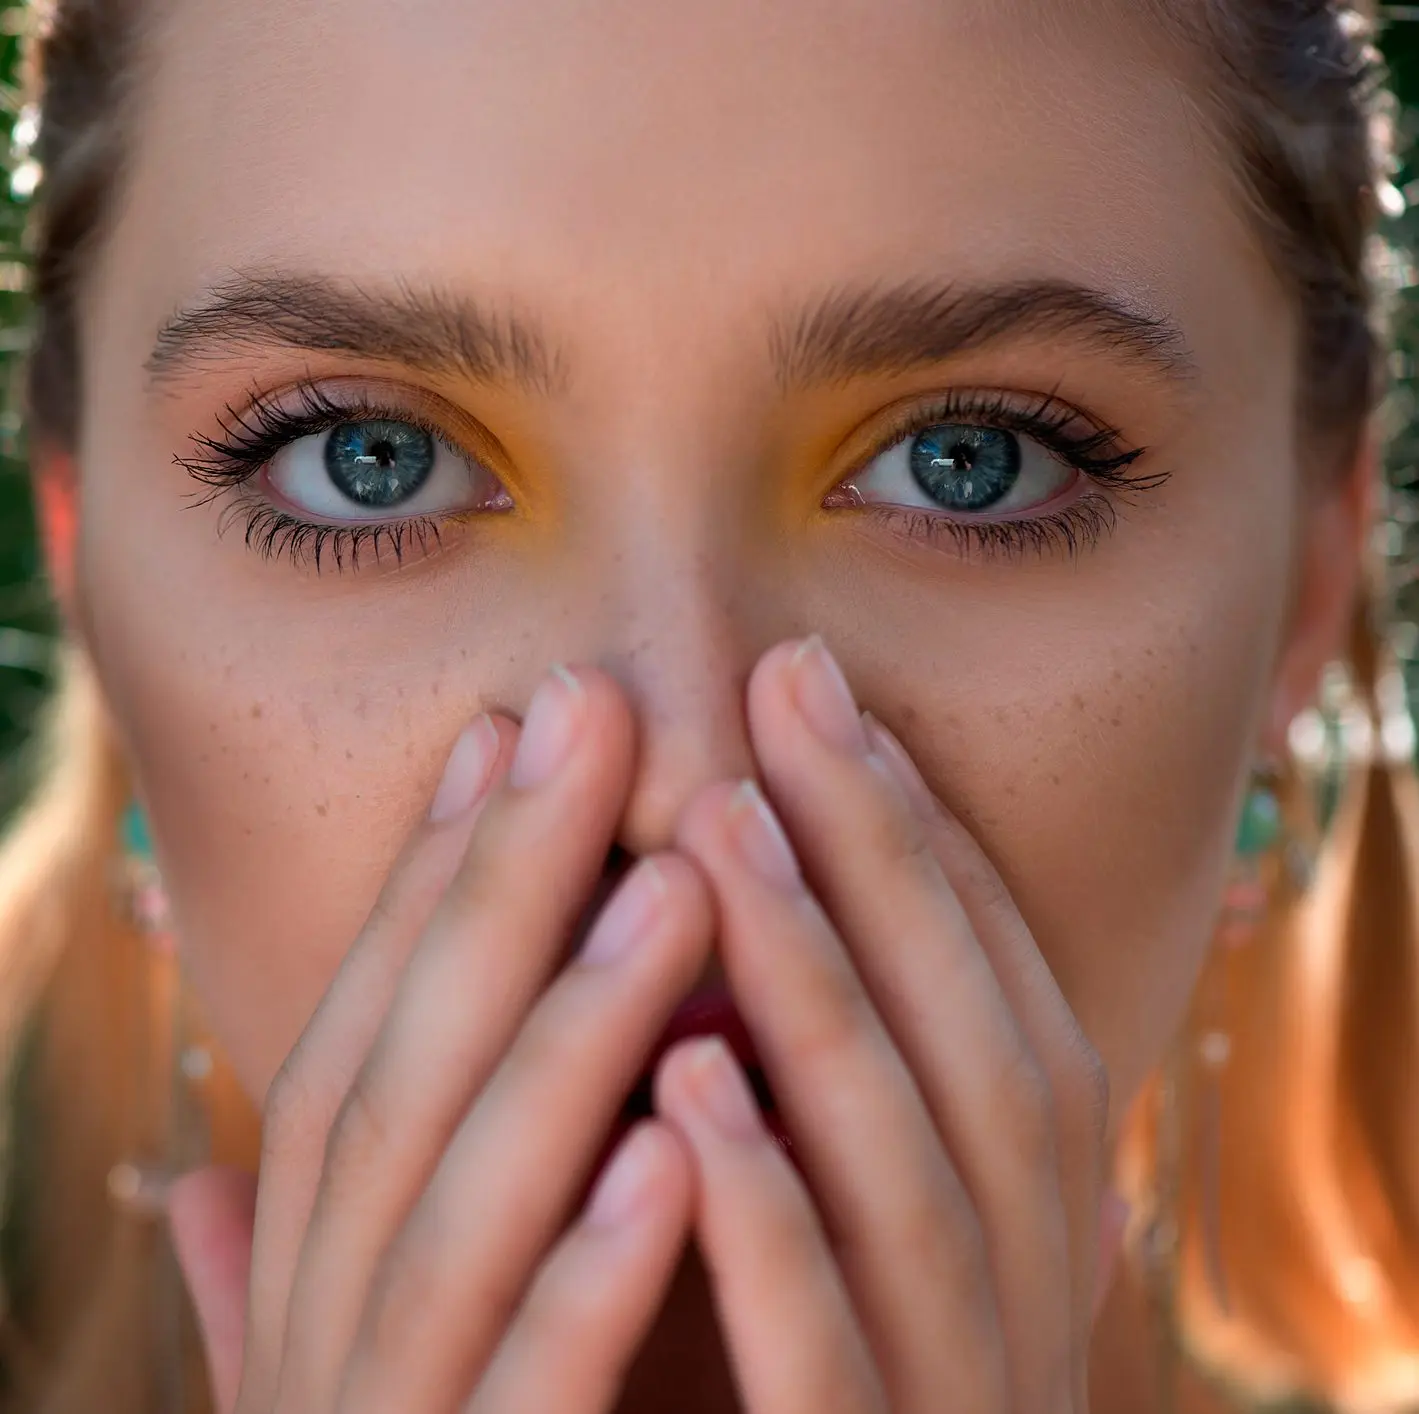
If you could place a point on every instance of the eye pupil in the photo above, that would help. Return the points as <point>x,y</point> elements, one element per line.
<point>966,468</point>
<point>379,463</point>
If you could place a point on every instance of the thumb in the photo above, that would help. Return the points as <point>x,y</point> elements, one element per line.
<point>211,1213</point>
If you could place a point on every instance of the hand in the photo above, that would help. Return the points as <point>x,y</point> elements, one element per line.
<point>427,1139</point>
<point>947,1111</point>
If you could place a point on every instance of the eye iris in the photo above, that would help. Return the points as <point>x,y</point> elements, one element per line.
<point>966,468</point>
<point>379,463</point>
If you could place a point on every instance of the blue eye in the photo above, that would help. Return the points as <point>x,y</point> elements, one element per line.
<point>965,468</point>
<point>380,468</point>
<point>379,464</point>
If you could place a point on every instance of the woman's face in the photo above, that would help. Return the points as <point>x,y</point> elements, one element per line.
<point>733,322</point>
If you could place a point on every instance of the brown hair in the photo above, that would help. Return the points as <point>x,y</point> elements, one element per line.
<point>1291,91</point>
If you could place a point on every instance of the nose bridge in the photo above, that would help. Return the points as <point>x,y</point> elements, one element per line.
<point>678,630</point>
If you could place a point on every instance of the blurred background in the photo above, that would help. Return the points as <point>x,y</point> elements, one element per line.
<point>27,620</point>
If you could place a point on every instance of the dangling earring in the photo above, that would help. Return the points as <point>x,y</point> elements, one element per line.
<point>178,1066</point>
<point>1272,862</point>
<point>1263,842</point>
<point>146,899</point>
<point>183,1062</point>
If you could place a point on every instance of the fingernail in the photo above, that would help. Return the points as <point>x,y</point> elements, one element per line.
<point>825,699</point>
<point>628,916</point>
<point>470,766</point>
<point>722,1092</point>
<point>893,755</point>
<point>548,730</point>
<point>621,1189</point>
<point>760,839</point>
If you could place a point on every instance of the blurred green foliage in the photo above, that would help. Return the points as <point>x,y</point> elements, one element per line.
<point>27,619</point>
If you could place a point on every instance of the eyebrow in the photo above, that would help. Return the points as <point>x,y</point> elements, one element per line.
<point>853,333</point>
<point>849,333</point>
<point>423,329</point>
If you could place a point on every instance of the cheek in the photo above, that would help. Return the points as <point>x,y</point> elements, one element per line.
<point>1109,813</point>
<point>1094,744</point>
<point>277,802</point>
<point>285,741</point>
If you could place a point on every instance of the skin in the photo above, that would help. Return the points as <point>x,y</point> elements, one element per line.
<point>1083,724</point>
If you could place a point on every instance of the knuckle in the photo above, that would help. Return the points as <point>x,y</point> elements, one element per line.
<point>386,913</point>
<point>1029,1105</point>
<point>360,1134</point>
<point>899,840</point>
<point>290,1111</point>
<point>938,1223</point>
<point>989,892</point>
<point>836,1025</point>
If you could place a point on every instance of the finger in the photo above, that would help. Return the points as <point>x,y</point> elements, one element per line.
<point>1077,1078</point>
<point>792,1335</point>
<point>594,1300</point>
<point>920,958</point>
<point>504,1189</point>
<point>505,922</point>
<point>302,1102</point>
<point>909,1240</point>
<point>211,1213</point>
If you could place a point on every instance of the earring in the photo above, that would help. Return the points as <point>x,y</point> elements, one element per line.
<point>1247,896</point>
<point>1271,862</point>
<point>1266,854</point>
<point>146,901</point>
<point>181,1061</point>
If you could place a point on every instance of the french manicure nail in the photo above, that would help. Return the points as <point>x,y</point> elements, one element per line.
<point>722,1091</point>
<point>549,729</point>
<point>628,916</point>
<point>761,840</point>
<point>469,769</point>
<point>825,699</point>
<point>899,765</point>
<point>621,1190</point>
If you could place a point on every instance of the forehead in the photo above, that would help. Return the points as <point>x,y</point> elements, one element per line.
<point>550,150</point>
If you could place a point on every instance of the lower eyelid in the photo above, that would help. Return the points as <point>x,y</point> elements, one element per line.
<point>1077,526</point>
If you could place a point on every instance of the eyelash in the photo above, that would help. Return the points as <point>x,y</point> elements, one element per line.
<point>1101,454</point>
<point>251,438</point>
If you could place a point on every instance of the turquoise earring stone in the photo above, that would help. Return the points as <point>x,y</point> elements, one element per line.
<point>1259,829</point>
<point>136,838</point>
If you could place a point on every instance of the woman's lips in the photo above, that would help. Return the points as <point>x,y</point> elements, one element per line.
<point>708,1012</point>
